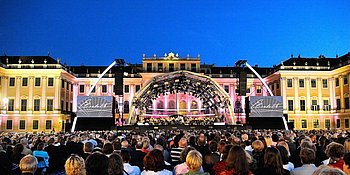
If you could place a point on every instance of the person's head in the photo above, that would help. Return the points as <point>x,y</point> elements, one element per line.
<point>213,146</point>
<point>117,145</point>
<point>327,170</point>
<point>272,159</point>
<point>275,138</point>
<point>258,146</point>
<point>41,146</point>
<point>226,151</point>
<point>285,145</point>
<point>183,142</point>
<point>347,145</point>
<point>139,145</point>
<point>307,144</point>
<point>28,164</point>
<point>145,142</point>
<point>96,163</point>
<point>194,161</point>
<point>237,160</point>
<point>125,154</point>
<point>125,144</point>
<point>18,149</point>
<point>335,151</point>
<point>307,156</point>
<point>154,161</point>
<point>284,154</point>
<point>159,147</point>
<point>346,165</point>
<point>75,165</point>
<point>88,147</point>
<point>107,148</point>
<point>24,141</point>
<point>184,153</point>
<point>115,164</point>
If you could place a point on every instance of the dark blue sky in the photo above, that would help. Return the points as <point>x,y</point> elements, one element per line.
<point>95,33</point>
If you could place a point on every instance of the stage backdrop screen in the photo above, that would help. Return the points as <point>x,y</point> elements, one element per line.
<point>95,106</point>
<point>266,106</point>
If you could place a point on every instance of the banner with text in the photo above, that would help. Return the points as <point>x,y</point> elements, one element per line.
<point>266,106</point>
<point>95,106</point>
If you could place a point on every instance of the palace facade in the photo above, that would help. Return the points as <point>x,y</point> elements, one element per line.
<point>38,93</point>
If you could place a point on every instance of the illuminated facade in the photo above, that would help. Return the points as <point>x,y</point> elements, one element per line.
<point>39,93</point>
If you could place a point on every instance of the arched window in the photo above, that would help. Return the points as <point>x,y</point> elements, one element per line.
<point>172,105</point>
<point>126,107</point>
<point>160,105</point>
<point>194,104</point>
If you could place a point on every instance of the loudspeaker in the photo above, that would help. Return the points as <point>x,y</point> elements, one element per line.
<point>242,83</point>
<point>118,81</point>
<point>247,109</point>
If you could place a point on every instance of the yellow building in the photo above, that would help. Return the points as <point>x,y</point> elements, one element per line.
<point>36,94</point>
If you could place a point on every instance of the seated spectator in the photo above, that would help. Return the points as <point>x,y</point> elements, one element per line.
<point>220,166</point>
<point>26,150</point>
<point>107,149</point>
<point>346,165</point>
<point>28,165</point>
<point>273,164</point>
<point>285,158</point>
<point>182,168</point>
<point>194,162</point>
<point>5,165</point>
<point>131,170</point>
<point>137,159</point>
<point>175,152</point>
<point>115,165</point>
<point>335,152</point>
<point>258,152</point>
<point>154,164</point>
<point>327,170</point>
<point>42,157</point>
<point>17,153</point>
<point>88,148</point>
<point>75,165</point>
<point>307,157</point>
<point>96,163</point>
<point>237,162</point>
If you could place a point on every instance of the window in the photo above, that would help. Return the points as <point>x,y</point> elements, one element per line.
<point>345,80</point>
<point>277,86</point>
<point>272,87</point>
<point>302,105</point>
<point>338,104</point>
<point>327,124</point>
<point>11,104</point>
<point>326,107</point>
<point>126,107</point>
<point>316,123</point>
<point>22,124</point>
<point>193,68</point>
<point>149,67</point>
<point>160,67</point>
<point>258,89</point>
<point>36,104</point>
<point>171,67</point>
<point>182,66</point>
<point>35,124</point>
<point>314,105</point>
<point>48,124</point>
<point>62,105</point>
<point>104,88</point>
<point>303,123</point>
<point>138,87</point>
<point>336,82</point>
<point>313,83</point>
<point>49,106</point>
<point>71,87</point>
<point>67,106</point>
<point>50,82</point>
<point>324,83</point>
<point>71,106</point>
<point>93,90</point>
<point>37,81</point>
<point>290,105</point>
<point>62,83</point>
<point>12,82</point>
<point>347,123</point>
<point>301,83</point>
<point>126,89</point>
<point>289,82</point>
<point>23,104</point>
<point>67,86</point>
<point>24,81</point>
<point>227,88</point>
<point>8,124</point>
<point>338,123</point>
<point>81,88</point>
<point>346,101</point>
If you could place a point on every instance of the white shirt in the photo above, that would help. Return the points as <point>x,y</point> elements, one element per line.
<point>163,172</point>
<point>132,170</point>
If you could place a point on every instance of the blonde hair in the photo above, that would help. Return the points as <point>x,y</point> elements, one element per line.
<point>194,160</point>
<point>75,165</point>
<point>268,141</point>
<point>285,145</point>
<point>347,145</point>
<point>258,145</point>
<point>28,163</point>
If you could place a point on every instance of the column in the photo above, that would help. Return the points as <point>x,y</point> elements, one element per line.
<point>308,99</point>
<point>296,93</point>
<point>43,94</point>
<point>75,95</point>
<point>319,92</point>
<point>341,86</point>
<point>332,92</point>
<point>57,97</point>
<point>4,83</point>
<point>18,94</point>
<point>30,94</point>
<point>284,93</point>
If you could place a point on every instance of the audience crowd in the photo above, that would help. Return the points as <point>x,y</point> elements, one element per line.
<point>175,152</point>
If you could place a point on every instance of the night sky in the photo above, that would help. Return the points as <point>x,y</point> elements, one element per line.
<point>222,32</point>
